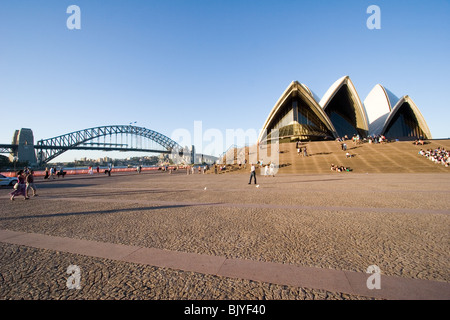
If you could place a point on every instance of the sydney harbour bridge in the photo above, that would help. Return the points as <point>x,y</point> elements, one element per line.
<point>104,138</point>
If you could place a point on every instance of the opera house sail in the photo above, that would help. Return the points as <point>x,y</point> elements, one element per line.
<point>405,121</point>
<point>298,115</point>
<point>378,105</point>
<point>342,105</point>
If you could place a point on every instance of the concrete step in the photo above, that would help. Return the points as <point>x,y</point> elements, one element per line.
<point>392,157</point>
<point>387,157</point>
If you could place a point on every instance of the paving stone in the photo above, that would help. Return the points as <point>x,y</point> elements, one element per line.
<point>344,223</point>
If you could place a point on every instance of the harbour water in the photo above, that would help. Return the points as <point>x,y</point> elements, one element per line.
<point>87,170</point>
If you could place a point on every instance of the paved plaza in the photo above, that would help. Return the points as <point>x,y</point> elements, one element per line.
<point>157,235</point>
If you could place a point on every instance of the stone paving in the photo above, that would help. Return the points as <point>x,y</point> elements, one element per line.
<point>327,222</point>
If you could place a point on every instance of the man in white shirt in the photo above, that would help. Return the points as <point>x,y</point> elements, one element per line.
<point>252,173</point>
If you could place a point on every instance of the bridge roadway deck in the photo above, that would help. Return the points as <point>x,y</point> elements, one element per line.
<point>176,236</point>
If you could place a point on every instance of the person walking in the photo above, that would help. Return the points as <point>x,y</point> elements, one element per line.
<point>109,169</point>
<point>272,169</point>
<point>30,183</point>
<point>52,172</point>
<point>252,173</point>
<point>21,186</point>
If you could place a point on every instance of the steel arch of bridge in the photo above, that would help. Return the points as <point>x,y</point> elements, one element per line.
<point>53,147</point>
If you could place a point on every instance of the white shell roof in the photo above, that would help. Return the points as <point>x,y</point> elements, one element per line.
<point>377,111</point>
<point>312,93</point>
<point>296,86</point>
<point>328,96</point>
<point>331,91</point>
<point>378,104</point>
<point>421,120</point>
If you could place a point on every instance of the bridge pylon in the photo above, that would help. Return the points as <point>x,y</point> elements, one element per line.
<point>24,139</point>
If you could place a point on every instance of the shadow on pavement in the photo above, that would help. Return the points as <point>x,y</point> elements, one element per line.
<point>96,212</point>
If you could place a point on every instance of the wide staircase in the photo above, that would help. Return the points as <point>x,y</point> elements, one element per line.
<point>400,156</point>
<point>391,157</point>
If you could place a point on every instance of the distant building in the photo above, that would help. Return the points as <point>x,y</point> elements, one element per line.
<point>188,155</point>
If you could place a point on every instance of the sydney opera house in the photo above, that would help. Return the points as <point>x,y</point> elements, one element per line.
<point>300,115</point>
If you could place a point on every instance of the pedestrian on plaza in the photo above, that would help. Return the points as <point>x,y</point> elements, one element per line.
<point>52,172</point>
<point>20,187</point>
<point>272,169</point>
<point>252,173</point>
<point>46,173</point>
<point>30,183</point>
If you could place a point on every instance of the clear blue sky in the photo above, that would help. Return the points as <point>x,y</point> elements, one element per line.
<point>166,64</point>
